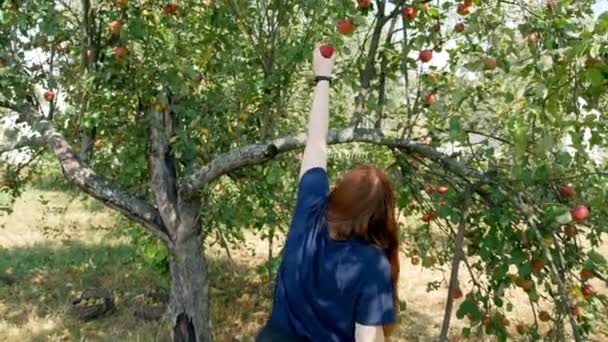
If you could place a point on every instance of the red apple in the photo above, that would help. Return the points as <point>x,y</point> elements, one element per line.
<point>591,62</point>
<point>170,9</point>
<point>586,274</point>
<point>487,321</point>
<point>120,52</point>
<point>551,4</point>
<point>463,9</point>
<point>428,217</point>
<point>567,191</point>
<point>457,293</point>
<point>415,261</point>
<point>326,50</point>
<point>345,26</point>
<point>442,189</point>
<point>442,202</point>
<point>525,284</point>
<point>575,311</point>
<point>49,95</point>
<point>570,231</point>
<point>425,55</point>
<point>459,27</point>
<point>489,63</point>
<point>579,213</point>
<point>115,27</point>
<point>364,4</point>
<point>430,98</point>
<point>537,265</point>
<point>409,13</point>
<point>87,54</point>
<point>588,291</point>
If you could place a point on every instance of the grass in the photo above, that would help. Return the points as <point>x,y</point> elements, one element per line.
<point>53,246</point>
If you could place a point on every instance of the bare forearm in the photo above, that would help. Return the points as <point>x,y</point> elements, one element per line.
<point>315,152</point>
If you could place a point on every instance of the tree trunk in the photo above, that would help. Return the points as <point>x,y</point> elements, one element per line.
<point>189,306</point>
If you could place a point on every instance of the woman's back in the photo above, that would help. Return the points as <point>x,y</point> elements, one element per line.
<point>325,286</point>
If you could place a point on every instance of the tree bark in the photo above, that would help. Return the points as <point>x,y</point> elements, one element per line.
<point>189,304</point>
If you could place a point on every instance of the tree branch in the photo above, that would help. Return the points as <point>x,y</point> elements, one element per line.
<point>262,152</point>
<point>95,185</point>
<point>458,256</point>
<point>162,165</point>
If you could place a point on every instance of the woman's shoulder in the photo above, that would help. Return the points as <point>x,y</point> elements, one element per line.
<point>374,260</point>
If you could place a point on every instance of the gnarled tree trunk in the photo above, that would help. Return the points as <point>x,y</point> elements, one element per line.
<point>189,304</point>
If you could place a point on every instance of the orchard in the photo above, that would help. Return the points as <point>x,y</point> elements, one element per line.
<point>187,116</point>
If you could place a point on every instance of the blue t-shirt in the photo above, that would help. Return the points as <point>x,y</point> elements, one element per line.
<point>325,286</point>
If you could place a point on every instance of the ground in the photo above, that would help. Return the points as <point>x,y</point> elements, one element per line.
<point>41,269</point>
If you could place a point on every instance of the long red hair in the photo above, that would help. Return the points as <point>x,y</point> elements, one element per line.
<point>362,206</point>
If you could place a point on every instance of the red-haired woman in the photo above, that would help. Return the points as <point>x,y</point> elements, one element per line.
<point>338,276</point>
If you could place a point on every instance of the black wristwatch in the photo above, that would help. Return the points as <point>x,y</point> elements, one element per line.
<point>323,78</point>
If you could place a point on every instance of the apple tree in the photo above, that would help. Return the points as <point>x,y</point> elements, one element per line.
<point>488,114</point>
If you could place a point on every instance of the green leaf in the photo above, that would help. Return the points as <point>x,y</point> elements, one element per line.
<point>469,307</point>
<point>466,332</point>
<point>455,128</point>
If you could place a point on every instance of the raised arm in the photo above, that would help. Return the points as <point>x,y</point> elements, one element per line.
<point>315,152</point>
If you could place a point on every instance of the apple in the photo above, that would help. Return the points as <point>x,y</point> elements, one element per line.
<point>463,9</point>
<point>544,316</point>
<point>579,213</point>
<point>532,37</point>
<point>586,274</point>
<point>575,311</point>
<point>521,329</point>
<point>345,26</point>
<point>425,55</point>
<point>442,202</point>
<point>415,261</point>
<point>326,50</point>
<point>428,217</point>
<point>591,62</point>
<point>588,291</point>
<point>429,189</point>
<point>170,9</point>
<point>120,52</point>
<point>551,4</point>
<point>505,322</point>
<point>49,95</point>
<point>364,4</point>
<point>487,321</point>
<point>570,231</point>
<point>442,189</point>
<point>115,27</point>
<point>459,27</point>
<point>567,191</point>
<point>537,265</point>
<point>99,143</point>
<point>457,293</point>
<point>430,98</point>
<point>489,63</point>
<point>122,4</point>
<point>409,13</point>
<point>426,5</point>
<point>87,54</point>
<point>525,284</point>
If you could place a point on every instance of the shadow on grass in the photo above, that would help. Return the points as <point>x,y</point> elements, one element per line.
<point>39,282</point>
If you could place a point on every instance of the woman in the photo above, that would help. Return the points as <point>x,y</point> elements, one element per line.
<point>340,265</point>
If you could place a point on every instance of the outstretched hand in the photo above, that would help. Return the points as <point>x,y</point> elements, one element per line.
<point>322,66</point>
